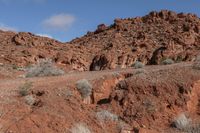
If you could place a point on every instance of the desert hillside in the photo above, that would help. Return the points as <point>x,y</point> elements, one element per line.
<point>138,75</point>
<point>149,39</point>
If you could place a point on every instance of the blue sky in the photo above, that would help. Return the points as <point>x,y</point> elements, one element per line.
<point>67,19</point>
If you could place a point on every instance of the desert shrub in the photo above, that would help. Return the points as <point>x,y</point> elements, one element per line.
<point>181,122</point>
<point>80,128</point>
<point>105,115</point>
<point>44,67</point>
<point>69,93</point>
<point>30,100</point>
<point>84,87</point>
<point>179,59</point>
<point>116,74</point>
<point>167,62</point>
<point>140,71</point>
<point>138,64</point>
<point>25,88</point>
<point>14,66</point>
<point>149,106</point>
<point>196,64</point>
<point>193,129</point>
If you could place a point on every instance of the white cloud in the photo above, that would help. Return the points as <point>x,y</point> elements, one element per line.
<point>45,35</point>
<point>4,27</point>
<point>59,22</point>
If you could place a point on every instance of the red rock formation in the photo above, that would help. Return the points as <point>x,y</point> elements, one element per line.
<point>116,46</point>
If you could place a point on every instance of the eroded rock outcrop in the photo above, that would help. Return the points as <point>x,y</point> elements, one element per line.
<point>147,98</point>
<point>149,39</point>
<point>116,46</point>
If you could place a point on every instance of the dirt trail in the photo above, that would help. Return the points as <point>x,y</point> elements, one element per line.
<point>72,77</point>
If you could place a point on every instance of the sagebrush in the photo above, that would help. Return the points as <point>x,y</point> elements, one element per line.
<point>105,115</point>
<point>138,64</point>
<point>181,122</point>
<point>193,129</point>
<point>80,128</point>
<point>167,61</point>
<point>84,87</point>
<point>44,67</point>
<point>184,124</point>
<point>25,88</point>
<point>30,100</point>
<point>196,64</point>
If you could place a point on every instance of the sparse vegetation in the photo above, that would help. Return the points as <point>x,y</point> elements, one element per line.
<point>105,115</point>
<point>193,129</point>
<point>14,66</point>
<point>25,88</point>
<point>150,106</point>
<point>140,71</point>
<point>80,128</point>
<point>30,100</point>
<point>116,74</point>
<point>69,93</point>
<point>196,64</point>
<point>138,64</point>
<point>181,122</point>
<point>84,87</point>
<point>167,61</point>
<point>179,59</point>
<point>44,67</point>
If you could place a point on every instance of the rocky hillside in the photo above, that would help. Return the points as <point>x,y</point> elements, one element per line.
<point>152,99</point>
<point>149,39</point>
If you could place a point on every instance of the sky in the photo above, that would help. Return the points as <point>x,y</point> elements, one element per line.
<point>65,20</point>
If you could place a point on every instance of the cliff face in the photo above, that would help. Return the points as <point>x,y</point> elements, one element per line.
<point>149,39</point>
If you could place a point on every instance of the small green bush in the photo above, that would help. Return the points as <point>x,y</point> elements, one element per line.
<point>138,64</point>
<point>84,87</point>
<point>44,67</point>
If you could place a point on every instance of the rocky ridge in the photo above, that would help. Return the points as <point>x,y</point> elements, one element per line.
<point>149,39</point>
